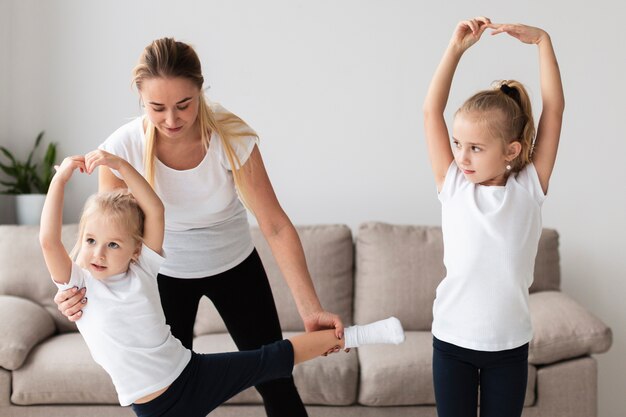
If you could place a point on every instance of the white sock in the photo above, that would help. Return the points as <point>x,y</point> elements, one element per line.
<point>383,331</point>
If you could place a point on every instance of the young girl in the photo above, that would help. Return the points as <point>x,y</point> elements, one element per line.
<point>118,258</point>
<point>491,185</point>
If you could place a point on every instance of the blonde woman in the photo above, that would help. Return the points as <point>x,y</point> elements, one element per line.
<point>202,161</point>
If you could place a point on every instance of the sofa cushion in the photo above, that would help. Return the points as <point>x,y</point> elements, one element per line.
<point>398,269</point>
<point>24,324</point>
<point>402,375</point>
<point>329,254</point>
<point>547,263</point>
<point>330,380</point>
<point>563,329</point>
<point>24,273</point>
<point>61,371</point>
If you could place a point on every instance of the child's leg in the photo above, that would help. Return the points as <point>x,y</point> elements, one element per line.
<point>503,383</point>
<point>455,377</point>
<point>311,345</point>
<point>307,346</point>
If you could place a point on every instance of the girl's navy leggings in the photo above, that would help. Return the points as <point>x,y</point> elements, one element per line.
<point>460,374</point>
<point>243,297</point>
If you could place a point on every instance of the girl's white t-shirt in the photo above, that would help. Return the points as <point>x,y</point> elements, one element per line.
<point>125,330</point>
<point>490,236</point>
<point>206,225</point>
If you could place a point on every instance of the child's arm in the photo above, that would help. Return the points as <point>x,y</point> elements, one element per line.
<point>467,33</point>
<point>553,101</point>
<point>147,199</point>
<point>57,260</point>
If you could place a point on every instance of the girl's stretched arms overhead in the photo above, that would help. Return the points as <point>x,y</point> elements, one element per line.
<point>57,259</point>
<point>553,101</point>
<point>150,203</point>
<point>466,34</point>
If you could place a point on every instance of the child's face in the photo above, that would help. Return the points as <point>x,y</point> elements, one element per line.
<point>106,248</point>
<point>479,154</point>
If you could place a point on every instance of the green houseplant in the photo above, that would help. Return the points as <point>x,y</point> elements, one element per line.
<point>29,177</point>
<point>28,180</point>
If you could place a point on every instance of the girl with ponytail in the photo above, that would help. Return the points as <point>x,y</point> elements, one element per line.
<point>204,164</point>
<point>491,184</point>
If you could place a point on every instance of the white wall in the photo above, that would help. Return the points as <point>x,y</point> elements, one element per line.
<point>335,88</point>
<point>6,202</point>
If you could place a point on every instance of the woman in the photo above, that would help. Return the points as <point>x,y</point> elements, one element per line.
<point>202,161</point>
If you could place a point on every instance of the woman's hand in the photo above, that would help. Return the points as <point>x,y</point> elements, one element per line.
<point>468,32</point>
<point>323,320</point>
<point>99,157</point>
<point>71,302</point>
<point>526,34</point>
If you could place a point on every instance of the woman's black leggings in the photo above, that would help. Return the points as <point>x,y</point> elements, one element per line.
<point>458,373</point>
<point>243,297</point>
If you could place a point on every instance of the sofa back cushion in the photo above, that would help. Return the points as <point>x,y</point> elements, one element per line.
<point>329,254</point>
<point>398,268</point>
<point>23,272</point>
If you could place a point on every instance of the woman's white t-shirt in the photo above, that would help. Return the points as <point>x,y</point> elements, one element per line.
<point>206,225</point>
<point>490,236</point>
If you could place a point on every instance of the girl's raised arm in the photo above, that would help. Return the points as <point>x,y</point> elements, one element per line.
<point>148,200</point>
<point>467,33</point>
<point>553,101</point>
<point>57,260</point>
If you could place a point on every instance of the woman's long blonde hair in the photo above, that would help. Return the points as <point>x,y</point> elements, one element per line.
<point>168,58</point>
<point>514,122</point>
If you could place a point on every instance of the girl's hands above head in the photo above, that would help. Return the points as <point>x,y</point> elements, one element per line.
<point>66,169</point>
<point>99,157</point>
<point>526,34</point>
<point>468,32</point>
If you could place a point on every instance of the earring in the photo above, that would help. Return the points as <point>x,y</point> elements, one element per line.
<point>508,167</point>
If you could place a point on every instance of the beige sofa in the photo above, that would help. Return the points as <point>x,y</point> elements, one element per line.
<point>46,370</point>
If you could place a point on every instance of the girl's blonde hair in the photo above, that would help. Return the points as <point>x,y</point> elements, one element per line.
<point>119,207</point>
<point>507,112</point>
<point>167,58</point>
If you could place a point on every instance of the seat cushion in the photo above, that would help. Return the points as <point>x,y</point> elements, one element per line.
<point>61,371</point>
<point>330,380</point>
<point>402,375</point>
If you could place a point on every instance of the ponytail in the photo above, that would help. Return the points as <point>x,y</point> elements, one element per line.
<point>522,124</point>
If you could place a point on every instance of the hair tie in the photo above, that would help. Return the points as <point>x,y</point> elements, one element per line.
<point>511,92</point>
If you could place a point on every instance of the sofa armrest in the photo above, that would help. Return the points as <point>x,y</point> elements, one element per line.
<point>564,329</point>
<point>23,325</point>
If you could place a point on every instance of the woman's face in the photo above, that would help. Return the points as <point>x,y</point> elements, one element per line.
<point>171,105</point>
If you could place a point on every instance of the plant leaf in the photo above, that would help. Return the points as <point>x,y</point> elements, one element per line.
<point>29,177</point>
<point>8,154</point>
<point>32,152</point>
